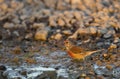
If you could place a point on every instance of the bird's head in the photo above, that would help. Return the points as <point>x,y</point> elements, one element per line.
<point>67,44</point>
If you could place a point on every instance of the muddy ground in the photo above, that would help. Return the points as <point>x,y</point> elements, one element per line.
<point>32,33</point>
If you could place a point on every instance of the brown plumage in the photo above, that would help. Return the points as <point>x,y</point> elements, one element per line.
<point>77,52</point>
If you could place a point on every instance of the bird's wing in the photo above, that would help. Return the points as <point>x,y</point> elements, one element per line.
<point>76,49</point>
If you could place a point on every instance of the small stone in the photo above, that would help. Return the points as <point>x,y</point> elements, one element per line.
<point>87,77</point>
<point>99,63</point>
<point>1,1</point>
<point>103,31</point>
<point>116,72</point>
<point>58,36</point>
<point>30,60</point>
<point>2,67</point>
<point>61,22</point>
<point>17,50</point>
<point>4,6</point>
<point>99,44</point>
<point>105,55</point>
<point>93,30</point>
<point>83,31</point>
<point>113,46</point>
<point>83,75</point>
<point>29,36</point>
<point>58,30</point>
<point>68,14</point>
<point>46,12</point>
<point>38,25</point>
<point>100,77</point>
<point>116,40</point>
<point>75,1</point>
<point>106,36</point>
<point>109,67</point>
<point>52,23</point>
<point>77,15</point>
<point>67,21</point>
<point>23,17</point>
<point>41,35</point>
<point>9,25</point>
<point>16,21</point>
<point>67,32</point>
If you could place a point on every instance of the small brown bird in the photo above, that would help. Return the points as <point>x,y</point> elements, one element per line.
<point>77,52</point>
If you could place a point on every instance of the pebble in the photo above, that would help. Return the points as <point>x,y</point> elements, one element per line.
<point>77,15</point>
<point>83,31</point>
<point>52,23</point>
<point>58,36</point>
<point>9,25</point>
<point>61,22</point>
<point>116,40</point>
<point>17,50</point>
<point>106,36</point>
<point>93,30</point>
<point>41,35</point>
<point>4,6</point>
<point>103,31</point>
<point>1,1</point>
<point>2,67</point>
<point>38,25</point>
<point>67,32</point>
<point>28,36</point>
<point>109,67</point>
<point>75,1</point>
<point>116,72</point>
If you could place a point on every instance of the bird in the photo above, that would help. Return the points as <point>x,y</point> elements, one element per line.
<point>76,52</point>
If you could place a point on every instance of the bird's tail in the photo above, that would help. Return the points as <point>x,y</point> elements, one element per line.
<point>91,52</point>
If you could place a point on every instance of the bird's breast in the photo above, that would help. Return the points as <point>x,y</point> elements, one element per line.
<point>75,56</point>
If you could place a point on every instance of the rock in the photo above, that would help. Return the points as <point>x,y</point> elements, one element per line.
<point>116,40</point>
<point>103,30</point>
<point>58,36</point>
<point>58,30</point>
<point>99,44</point>
<point>93,30</point>
<point>2,68</point>
<point>41,73</point>
<point>4,6</point>
<point>23,17</point>
<point>1,1</point>
<point>38,25</point>
<point>13,74</point>
<point>67,22</point>
<point>87,77</point>
<point>106,36</point>
<point>100,77</point>
<point>17,50</point>
<point>68,14</point>
<point>83,31</point>
<point>75,1</point>
<point>61,22</point>
<point>46,12</point>
<point>62,74</point>
<point>29,36</point>
<point>8,25</point>
<point>52,23</point>
<point>109,67</point>
<point>16,21</point>
<point>41,35</point>
<point>101,70</point>
<point>67,32</point>
<point>77,15</point>
<point>48,3</point>
<point>116,72</point>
